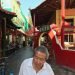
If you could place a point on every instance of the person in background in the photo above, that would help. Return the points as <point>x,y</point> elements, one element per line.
<point>37,65</point>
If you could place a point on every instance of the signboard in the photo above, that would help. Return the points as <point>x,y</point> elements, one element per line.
<point>44,28</point>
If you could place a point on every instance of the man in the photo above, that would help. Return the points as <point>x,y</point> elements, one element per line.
<point>37,65</point>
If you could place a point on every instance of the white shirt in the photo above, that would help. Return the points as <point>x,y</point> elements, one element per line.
<point>27,68</point>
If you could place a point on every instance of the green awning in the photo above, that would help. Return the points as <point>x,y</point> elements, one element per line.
<point>26,25</point>
<point>11,25</point>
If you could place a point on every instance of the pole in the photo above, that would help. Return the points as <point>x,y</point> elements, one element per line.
<point>62,25</point>
<point>3,36</point>
<point>63,9</point>
<point>34,31</point>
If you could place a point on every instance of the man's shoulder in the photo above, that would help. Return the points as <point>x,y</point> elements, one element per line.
<point>26,61</point>
<point>48,65</point>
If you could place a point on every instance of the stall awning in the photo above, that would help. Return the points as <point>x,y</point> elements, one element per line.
<point>11,25</point>
<point>31,32</point>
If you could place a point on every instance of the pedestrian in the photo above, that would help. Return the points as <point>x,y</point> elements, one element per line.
<point>37,65</point>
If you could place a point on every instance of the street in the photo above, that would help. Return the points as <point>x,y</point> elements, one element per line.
<point>15,60</point>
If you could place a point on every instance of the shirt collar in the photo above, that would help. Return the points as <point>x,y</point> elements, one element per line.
<point>44,67</point>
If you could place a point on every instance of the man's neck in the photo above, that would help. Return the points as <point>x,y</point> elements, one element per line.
<point>35,68</point>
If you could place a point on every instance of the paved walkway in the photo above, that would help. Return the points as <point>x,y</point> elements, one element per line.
<point>15,60</point>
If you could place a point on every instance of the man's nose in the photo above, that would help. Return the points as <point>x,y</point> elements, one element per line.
<point>39,61</point>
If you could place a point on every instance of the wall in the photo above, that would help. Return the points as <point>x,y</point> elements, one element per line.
<point>69,13</point>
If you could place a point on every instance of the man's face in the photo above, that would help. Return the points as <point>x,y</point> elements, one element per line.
<point>39,59</point>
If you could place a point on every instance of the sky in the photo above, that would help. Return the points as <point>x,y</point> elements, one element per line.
<point>29,4</point>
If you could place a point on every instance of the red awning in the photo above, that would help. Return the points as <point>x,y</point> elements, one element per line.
<point>31,31</point>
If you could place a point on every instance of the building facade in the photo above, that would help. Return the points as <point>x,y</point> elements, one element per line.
<point>15,26</point>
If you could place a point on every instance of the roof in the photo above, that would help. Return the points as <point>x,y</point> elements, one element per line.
<point>8,14</point>
<point>45,11</point>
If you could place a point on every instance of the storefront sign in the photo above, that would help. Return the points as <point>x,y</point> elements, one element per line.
<point>44,28</point>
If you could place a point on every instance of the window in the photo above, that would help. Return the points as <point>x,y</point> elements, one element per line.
<point>71,21</point>
<point>69,41</point>
<point>68,38</point>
